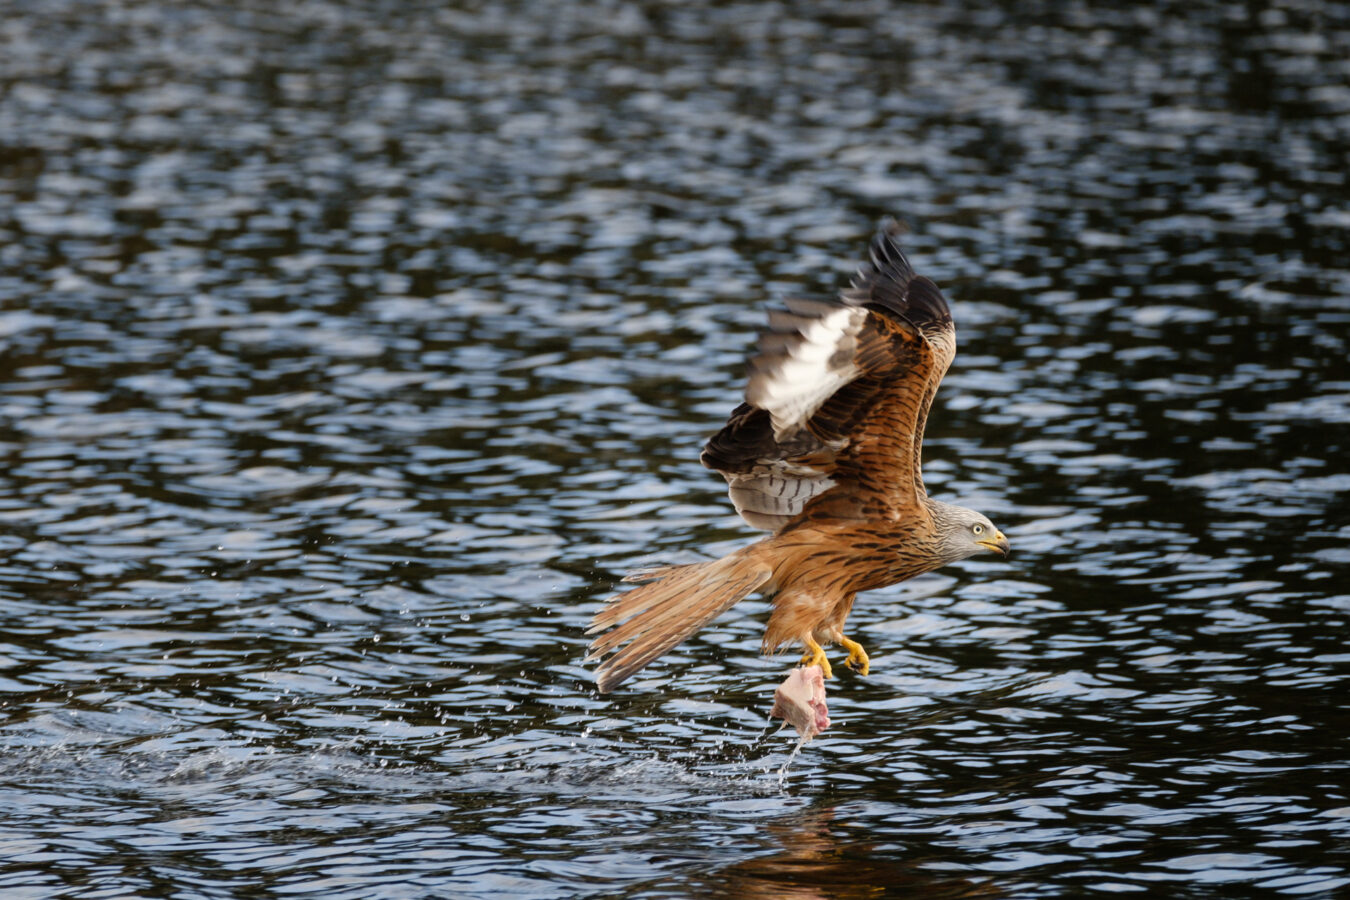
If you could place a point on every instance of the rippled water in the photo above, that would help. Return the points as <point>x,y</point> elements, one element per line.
<point>350,354</point>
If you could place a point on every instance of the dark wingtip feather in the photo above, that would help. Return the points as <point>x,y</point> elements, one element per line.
<point>927,307</point>
<point>887,257</point>
<point>889,286</point>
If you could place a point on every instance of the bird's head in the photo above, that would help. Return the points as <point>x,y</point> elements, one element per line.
<point>967,533</point>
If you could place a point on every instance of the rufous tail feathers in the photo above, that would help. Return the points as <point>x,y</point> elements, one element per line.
<point>673,603</point>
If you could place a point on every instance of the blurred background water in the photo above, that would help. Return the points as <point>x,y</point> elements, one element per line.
<point>351,351</point>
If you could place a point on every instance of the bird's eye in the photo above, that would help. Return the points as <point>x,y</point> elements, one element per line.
<point>978,529</point>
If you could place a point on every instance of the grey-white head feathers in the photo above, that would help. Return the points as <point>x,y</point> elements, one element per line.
<point>963,533</point>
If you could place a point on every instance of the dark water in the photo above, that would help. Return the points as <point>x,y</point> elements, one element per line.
<point>349,355</point>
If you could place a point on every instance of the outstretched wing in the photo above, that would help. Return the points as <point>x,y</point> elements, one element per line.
<point>837,398</point>
<point>891,284</point>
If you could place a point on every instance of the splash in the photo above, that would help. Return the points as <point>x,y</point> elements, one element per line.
<point>782,773</point>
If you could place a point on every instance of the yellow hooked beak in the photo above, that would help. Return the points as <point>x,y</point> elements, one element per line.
<point>997,544</point>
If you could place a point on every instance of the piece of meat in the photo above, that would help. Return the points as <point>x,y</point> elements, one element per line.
<point>800,700</point>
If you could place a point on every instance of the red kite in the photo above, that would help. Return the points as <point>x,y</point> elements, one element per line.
<point>824,453</point>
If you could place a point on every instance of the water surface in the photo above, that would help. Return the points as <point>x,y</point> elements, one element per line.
<point>350,354</point>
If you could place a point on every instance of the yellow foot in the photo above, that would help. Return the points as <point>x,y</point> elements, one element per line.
<point>857,656</point>
<point>815,656</point>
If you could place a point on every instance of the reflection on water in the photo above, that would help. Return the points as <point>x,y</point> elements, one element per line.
<point>351,352</point>
<point>812,862</point>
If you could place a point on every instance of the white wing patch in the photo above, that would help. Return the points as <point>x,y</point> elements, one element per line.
<point>810,356</point>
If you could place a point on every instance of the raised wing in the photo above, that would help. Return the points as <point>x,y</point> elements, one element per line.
<point>891,284</point>
<point>837,398</point>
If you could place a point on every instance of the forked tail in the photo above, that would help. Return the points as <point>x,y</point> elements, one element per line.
<point>672,603</point>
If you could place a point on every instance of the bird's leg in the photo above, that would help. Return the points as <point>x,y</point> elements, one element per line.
<point>815,656</point>
<point>857,656</point>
